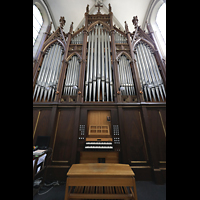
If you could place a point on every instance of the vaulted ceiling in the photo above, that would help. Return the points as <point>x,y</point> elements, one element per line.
<point>74,10</point>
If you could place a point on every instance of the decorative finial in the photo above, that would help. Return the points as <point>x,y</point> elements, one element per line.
<point>71,28</point>
<point>135,21</point>
<point>126,27</point>
<point>62,22</point>
<point>87,8</point>
<point>109,7</point>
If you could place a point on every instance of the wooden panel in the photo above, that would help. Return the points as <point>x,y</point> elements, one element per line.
<point>92,157</point>
<point>99,130</point>
<point>134,133</point>
<point>97,117</point>
<point>100,182</point>
<point>63,135</point>
<point>42,123</point>
<point>157,128</point>
<point>35,117</point>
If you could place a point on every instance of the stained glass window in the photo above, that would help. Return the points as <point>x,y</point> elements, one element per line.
<point>37,22</point>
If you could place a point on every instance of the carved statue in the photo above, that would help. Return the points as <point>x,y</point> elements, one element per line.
<point>62,22</point>
<point>126,27</point>
<point>135,21</point>
<point>71,28</point>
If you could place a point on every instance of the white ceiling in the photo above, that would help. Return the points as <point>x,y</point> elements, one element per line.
<point>74,10</point>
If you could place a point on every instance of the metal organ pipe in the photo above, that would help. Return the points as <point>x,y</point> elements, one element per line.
<point>88,65</point>
<point>99,70</point>
<point>91,67</point>
<point>125,76</point>
<point>72,75</point>
<point>98,66</point>
<point>107,80</point>
<point>95,65</point>
<point>150,77</point>
<point>102,62</point>
<point>110,70</point>
<point>48,74</point>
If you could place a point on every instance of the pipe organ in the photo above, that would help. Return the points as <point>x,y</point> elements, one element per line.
<point>150,78</point>
<point>99,76</point>
<point>101,88</point>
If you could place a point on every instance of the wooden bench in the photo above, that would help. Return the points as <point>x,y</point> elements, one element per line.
<point>100,181</point>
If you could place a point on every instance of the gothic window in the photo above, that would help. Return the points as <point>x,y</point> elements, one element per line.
<point>37,22</point>
<point>161,21</point>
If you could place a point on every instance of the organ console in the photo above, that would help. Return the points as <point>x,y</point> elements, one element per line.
<point>99,138</point>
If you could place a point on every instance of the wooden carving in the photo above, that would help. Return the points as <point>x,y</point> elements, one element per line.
<point>62,22</point>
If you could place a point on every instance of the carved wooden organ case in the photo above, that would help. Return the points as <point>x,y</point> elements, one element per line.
<point>99,63</point>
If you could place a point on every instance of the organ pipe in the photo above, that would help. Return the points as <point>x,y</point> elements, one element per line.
<point>72,76</point>
<point>125,76</point>
<point>99,70</point>
<point>151,80</point>
<point>47,80</point>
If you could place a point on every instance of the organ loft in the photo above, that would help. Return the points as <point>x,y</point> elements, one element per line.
<point>99,94</point>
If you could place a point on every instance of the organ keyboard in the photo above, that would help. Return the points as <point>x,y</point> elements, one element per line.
<point>98,145</point>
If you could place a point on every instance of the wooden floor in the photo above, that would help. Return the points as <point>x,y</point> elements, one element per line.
<point>116,191</point>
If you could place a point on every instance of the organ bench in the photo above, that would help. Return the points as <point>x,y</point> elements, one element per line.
<point>100,181</point>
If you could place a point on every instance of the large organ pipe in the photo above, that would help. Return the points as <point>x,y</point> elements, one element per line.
<point>158,80</point>
<point>140,73</point>
<point>143,74</point>
<point>71,76</point>
<point>151,69</point>
<point>88,65</point>
<point>102,62</point>
<point>107,79</point>
<point>51,77</point>
<point>110,70</point>
<point>39,75</point>
<point>149,82</point>
<point>91,68</point>
<point>149,73</point>
<point>95,65</point>
<point>45,72</point>
<point>98,66</point>
<point>146,89</point>
<point>159,74</point>
<point>58,69</point>
<point>42,72</point>
<point>50,71</point>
